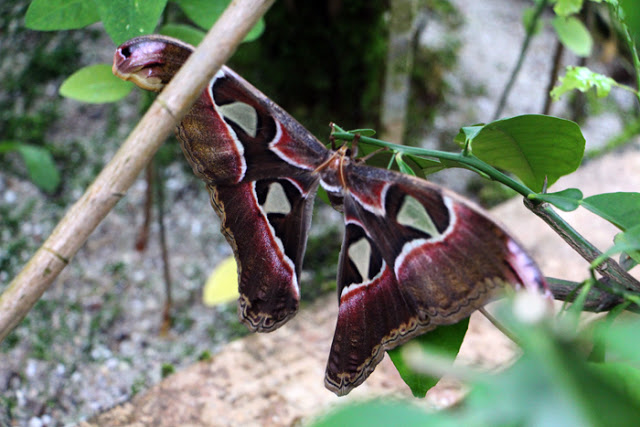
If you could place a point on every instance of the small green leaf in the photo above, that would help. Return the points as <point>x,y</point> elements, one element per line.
<point>573,35</point>
<point>40,166</point>
<point>621,209</point>
<point>125,19</point>
<point>531,147</point>
<point>567,200</point>
<point>467,133</point>
<point>95,84</point>
<point>445,340</point>
<point>583,79</point>
<point>628,242</point>
<point>255,32</point>
<point>633,255</point>
<point>567,7</point>
<point>204,13</point>
<point>186,33</point>
<point>628,261</point>
<point>363,132</point>
<point>428,166</point>
<point>404,167</point>
<point>51,15</point>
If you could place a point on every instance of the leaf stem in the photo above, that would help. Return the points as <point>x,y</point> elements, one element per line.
<point>464,160</point>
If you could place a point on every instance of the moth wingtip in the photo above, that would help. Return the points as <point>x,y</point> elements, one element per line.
<point>261,321</point>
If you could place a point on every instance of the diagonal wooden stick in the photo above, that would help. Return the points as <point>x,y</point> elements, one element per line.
<point>118,175</point>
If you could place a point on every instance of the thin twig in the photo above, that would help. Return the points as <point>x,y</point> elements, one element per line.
<point>557,60</point>
<point>114,180</point>
<point>166,266</point>
<point>523,50</point>
<point>143,234</point>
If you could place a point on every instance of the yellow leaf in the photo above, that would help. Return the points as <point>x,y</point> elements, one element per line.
<point>222,284</point>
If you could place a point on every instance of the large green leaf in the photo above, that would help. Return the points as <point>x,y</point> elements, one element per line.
<point>40,166</point>
<point>621,209</point>
<point>573,35</point>
<point>204,13</point>
<point>50,15</point>
<point>125,19</point>
<point>186,33</point>
<point>531,147</point>
<point>95,84</point>
<point>444,341</point>
<point>382,413</point>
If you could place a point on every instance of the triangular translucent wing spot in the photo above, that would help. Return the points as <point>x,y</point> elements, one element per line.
<point>360,254</point>
<point>276,201</point>
<point>243,115</point>
<point>413,214</point>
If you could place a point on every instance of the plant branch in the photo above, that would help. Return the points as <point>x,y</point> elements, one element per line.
<point>597,300</point>
<point>118,175</point>
<point>608,268</point>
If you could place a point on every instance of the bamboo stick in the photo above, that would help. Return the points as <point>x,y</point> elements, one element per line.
<point>120,173</point>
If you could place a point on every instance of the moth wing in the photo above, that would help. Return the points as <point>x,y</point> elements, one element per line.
<point>414,257</point>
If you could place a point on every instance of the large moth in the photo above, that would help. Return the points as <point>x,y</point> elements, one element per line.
<point>414,255</point>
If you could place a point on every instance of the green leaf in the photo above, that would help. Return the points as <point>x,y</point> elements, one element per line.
<point>623,239</point>
<point>621,209</point>
<point>125,19</point>
<point>255,32</point>
<point>382,413</point>
<point>404,167</point>
<point>40,166</point>
<point>567,7</point>
<point>632,17</point>
<point>628,242</point>
<point>531,147</point>
<point>467,133</point>
<point>445,340</point>
<point>628,261</point>
<point>625,379</point>
<point>427,166</point>
<point>567,200</point>
<point>573,35</point>
<point>95,84</point>
<point>51,15</point>
<point>204,13</point>
<point>363,132</point>
<point>583,79</point>
<point>186,33</point>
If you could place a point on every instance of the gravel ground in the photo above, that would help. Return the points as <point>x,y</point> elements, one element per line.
<point>93,340</point>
